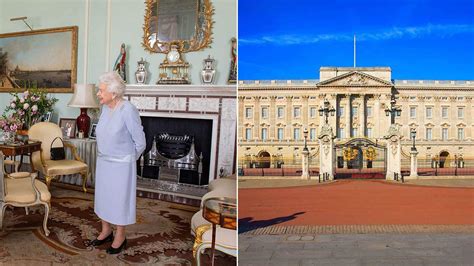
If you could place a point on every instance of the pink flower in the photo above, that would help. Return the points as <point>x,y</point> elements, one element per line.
<point>26,106</point>
<point>25,94</point>
<point>34,108</point>
<point>12,105</point>
<point>22,100</point>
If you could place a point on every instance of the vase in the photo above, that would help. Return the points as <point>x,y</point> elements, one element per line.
<point>22,135</point>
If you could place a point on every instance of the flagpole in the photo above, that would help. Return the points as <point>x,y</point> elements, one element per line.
<point>354,50</point>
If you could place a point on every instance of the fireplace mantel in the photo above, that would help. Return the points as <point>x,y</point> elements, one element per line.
<point>213,102</point>
<point>182,90</point>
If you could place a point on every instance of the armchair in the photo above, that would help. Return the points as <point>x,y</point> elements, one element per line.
<point>46,132</point>
<point>23,192</point>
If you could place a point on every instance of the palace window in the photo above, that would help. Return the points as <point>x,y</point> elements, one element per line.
<point>429,134</point>
<point>280,112</point>
<point>369,132</point>
<point>369,111</point>
<point>412,112</point>
<point>429,112</point>
<point>280,133</point>
<point>444,134</point>
<point>264,134</point>
<point>354,111</point>
<point>340,133</point>
<point>444,112</point>
<point>460,133</point>
<point>312,133</point>
<point>296,134</point>
<point>264,112</point>
<point>248,112</point>
<point>340,111</point>
<point>460,112</point>
<point>312,112</point>
<point>248,133</point>
<point>296,112</point>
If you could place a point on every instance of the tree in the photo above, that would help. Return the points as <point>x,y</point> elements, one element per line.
<point>3,63</point>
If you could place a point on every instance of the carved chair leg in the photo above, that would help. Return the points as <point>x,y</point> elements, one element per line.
<point>84,181</point>
<point>45,220</point>
<point>26,210</point>
<point>48,180</point>
<point>2,212</point>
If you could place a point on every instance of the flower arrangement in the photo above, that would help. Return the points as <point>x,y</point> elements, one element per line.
<point>29,107</point>
<point>10,124</point>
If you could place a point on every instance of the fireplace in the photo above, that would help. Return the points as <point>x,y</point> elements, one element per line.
<point>195,133</point>
<point>207,113</point>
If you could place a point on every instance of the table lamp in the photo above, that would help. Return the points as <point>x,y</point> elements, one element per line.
<point>84,97</point>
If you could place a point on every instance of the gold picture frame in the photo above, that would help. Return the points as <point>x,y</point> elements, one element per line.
<point>44,58</point>
<point>202,37</point>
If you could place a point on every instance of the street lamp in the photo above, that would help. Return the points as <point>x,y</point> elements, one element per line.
<point>326,110</point>
<point>413,136</point>
<point>393,110</point>
<point>456,161</point>
<point>305,134</point>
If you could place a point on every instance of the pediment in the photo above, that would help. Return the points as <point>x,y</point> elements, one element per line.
<point>355,78</point>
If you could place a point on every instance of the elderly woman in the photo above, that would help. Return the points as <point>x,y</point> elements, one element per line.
<point>120,142</point>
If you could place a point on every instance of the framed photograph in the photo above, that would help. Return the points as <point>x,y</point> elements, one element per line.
<point>68,126</point>
<point>92,133</point>
<point>47,117</point>
<point>43,58</point>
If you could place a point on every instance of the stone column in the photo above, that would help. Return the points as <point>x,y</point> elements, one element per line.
<point>256,117</point>
<point>305,164</point>
<point>362,116</point>
<point>333,102</point>
<point>289,117</point>
<point>305,111</point>
<point>393,153</point>
<point>241,128</point>
<point>348,116</point>
<point>326,151</point>
<point>413,165</point>
<point>272,114</point>
<point>377,111</point>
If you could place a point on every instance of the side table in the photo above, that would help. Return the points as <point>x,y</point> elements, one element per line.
<point>87,150</point>
<point>220,211</point>
<point>19,148</point>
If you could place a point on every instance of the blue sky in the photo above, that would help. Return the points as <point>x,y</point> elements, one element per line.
<point>417,39</point>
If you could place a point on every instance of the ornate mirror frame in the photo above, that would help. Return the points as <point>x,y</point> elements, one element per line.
<point>201,39</point>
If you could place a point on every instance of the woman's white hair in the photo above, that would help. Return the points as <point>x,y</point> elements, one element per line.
<point>114,83</point>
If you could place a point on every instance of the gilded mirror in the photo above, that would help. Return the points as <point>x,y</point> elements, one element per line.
<point>187,23</point>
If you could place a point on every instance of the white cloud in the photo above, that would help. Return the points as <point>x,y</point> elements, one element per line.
<point>383,34</point>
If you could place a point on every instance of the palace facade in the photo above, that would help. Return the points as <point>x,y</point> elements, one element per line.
<point>273,115</point>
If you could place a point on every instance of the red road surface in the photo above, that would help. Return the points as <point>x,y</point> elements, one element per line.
<point>356,202</point>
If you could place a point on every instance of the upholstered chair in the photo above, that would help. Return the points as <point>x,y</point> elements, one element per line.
<point>23,192</point>
<point>46,132</point>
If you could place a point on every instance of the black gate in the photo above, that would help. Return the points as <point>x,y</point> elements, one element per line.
<point>360,158</point>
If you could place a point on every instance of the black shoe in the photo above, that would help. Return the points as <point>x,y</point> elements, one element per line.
<point>112,250</point>
<point>96,242</point>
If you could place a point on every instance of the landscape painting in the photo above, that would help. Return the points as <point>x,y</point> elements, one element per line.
<point>41,58</point>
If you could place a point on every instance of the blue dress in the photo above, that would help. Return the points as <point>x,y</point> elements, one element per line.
<point>120,142</point>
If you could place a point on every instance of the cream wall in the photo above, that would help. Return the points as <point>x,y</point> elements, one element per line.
<point>126,17</point>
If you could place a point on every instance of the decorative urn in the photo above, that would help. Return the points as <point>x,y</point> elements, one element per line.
<point>141,73</point>
<point>208,73</point>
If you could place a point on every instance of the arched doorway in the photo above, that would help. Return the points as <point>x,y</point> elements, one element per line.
<point>443,159</point>
<point>263,160</point>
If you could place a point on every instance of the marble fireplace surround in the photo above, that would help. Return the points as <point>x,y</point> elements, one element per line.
<point>211,102</point>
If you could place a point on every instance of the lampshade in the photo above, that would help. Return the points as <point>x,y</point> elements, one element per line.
<point>84,96</point>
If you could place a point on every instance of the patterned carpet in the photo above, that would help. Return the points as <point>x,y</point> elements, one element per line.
<point>160,236</point>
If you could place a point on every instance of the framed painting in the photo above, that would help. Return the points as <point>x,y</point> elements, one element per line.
<point>68,127</point>
<point>45,59</point>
